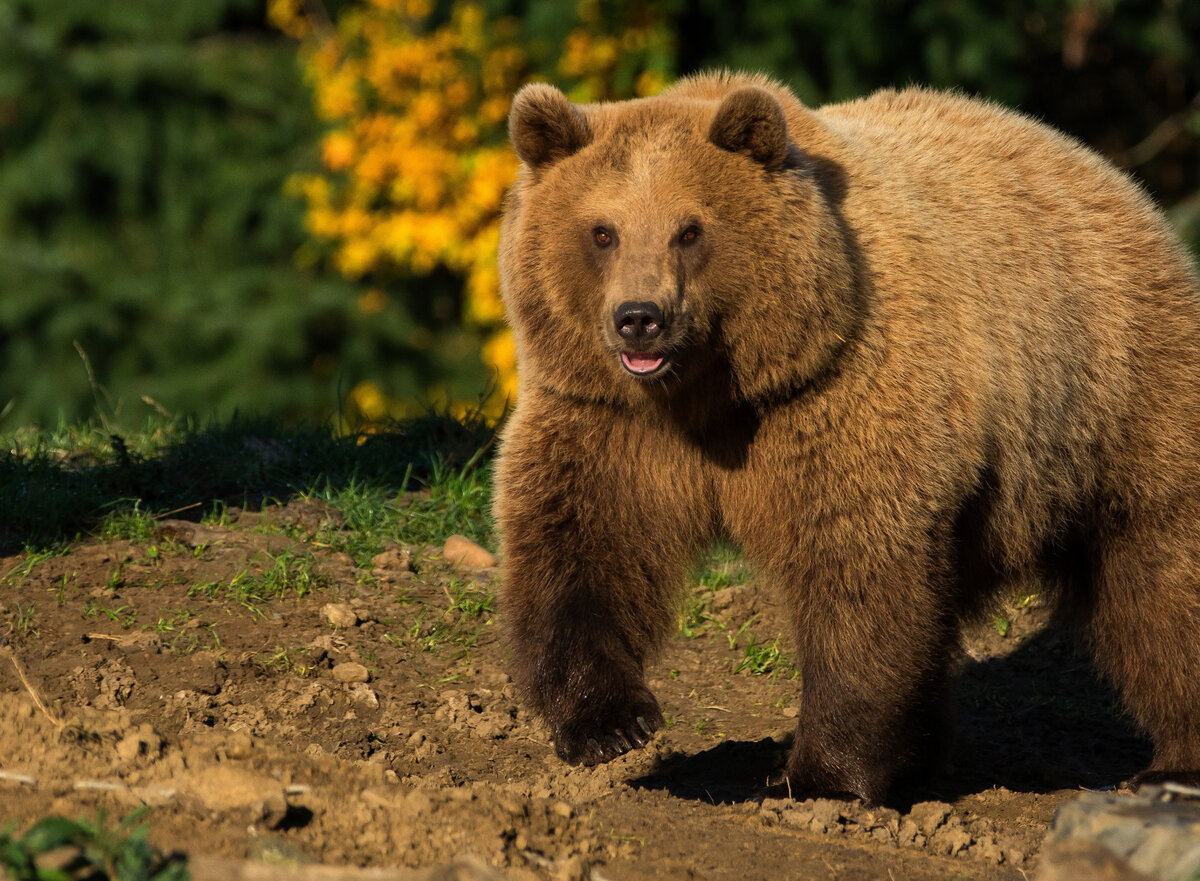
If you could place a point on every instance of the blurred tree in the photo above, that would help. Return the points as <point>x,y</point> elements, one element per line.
<point>145,146</point>
<point>143,151</point>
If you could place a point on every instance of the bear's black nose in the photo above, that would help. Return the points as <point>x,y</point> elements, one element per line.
<point>638,322</point>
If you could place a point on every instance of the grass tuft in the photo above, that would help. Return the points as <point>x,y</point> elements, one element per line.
<point>287,573</point>
<point>57,849</point>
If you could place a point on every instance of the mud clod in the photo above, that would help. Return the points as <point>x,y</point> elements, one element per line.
<point>349,671</point>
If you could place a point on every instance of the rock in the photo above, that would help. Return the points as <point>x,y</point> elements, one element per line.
<point>461,551</point>
<point>339,614</point>
<point>986,848</point>
<point>193,535</point>
<point>929,815</point>
<point>1155,834</point>
<point>394,559</point>
<point>826,815</point>
<point>722,599</point>
<point>207,868</point>
<point>206,673</point>
<point>800,816</point>
<point>225,787</point>
<point>349,671</point>
<point>277,851</point>
<point>1076,860</point>
<point>239,745</point>
<point>363,694</point>
<point>950,841</point>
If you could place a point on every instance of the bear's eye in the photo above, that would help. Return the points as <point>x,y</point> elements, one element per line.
<point>602,237</point>
<point>689,235</point>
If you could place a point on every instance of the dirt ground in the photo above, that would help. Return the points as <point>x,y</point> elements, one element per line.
<point>270,699</point>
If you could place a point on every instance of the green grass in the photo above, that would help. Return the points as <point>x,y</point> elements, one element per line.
<point>30,560</point>
<point>70,481</point>
<point>458,501</point>
<point>722,566</point>
<point>760,658</point>
<point>131,524</point>
<point>287,573</point>
<point>86,849</point>
<point>123,615</point>
<point>449,499</point>
<point>20,624</point>
<point>470,610</point>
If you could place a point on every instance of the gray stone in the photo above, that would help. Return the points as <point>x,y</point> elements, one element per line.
<point>1154,834</point>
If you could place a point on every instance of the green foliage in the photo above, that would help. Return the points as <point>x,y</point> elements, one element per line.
<point>454,500</point>
<point>150,247</point>
<point>722,566</point>
<point>88,849</point>
<point>144,148</point>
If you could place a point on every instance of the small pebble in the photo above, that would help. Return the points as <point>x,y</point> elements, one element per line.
<point>395,559</point>
<point>460,550</point>
<point>339,614</point>
<point>349,671</point>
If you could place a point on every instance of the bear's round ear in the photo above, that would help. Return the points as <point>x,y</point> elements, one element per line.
<point>544,126</point>
<point>750,120</point>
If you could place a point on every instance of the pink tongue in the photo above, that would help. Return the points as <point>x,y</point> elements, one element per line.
<point>641,363</point>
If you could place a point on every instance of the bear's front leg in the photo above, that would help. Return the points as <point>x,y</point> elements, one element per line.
<point>584,674</point>
<point>596,536</point>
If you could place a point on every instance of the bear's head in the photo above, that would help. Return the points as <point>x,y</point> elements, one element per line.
<point>670,246</point>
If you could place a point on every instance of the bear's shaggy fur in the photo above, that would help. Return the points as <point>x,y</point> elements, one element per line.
<point>900,350</point>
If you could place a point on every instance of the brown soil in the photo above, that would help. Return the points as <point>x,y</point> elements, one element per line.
<point>233,721</point>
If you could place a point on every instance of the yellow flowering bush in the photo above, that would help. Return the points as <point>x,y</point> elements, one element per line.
<point>415,160</point>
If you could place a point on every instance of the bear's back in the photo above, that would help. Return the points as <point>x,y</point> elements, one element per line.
<point>1039,277</point>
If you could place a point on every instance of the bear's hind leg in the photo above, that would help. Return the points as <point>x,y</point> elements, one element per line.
<point>874,659</point>
<point>1145,628</point>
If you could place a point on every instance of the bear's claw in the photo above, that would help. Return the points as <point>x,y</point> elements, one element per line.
<point>593,741</point>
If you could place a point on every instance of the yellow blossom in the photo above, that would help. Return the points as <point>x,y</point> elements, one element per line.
<point>337,150</point>
<point>415,162</point>
<point>370,401</point>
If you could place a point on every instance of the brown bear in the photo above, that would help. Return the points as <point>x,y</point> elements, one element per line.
<point>901,350</point>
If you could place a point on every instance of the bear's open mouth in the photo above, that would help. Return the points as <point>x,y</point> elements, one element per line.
<point>642,363</point>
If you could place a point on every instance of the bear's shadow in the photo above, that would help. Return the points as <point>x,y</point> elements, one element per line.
<point>1036,720</point>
